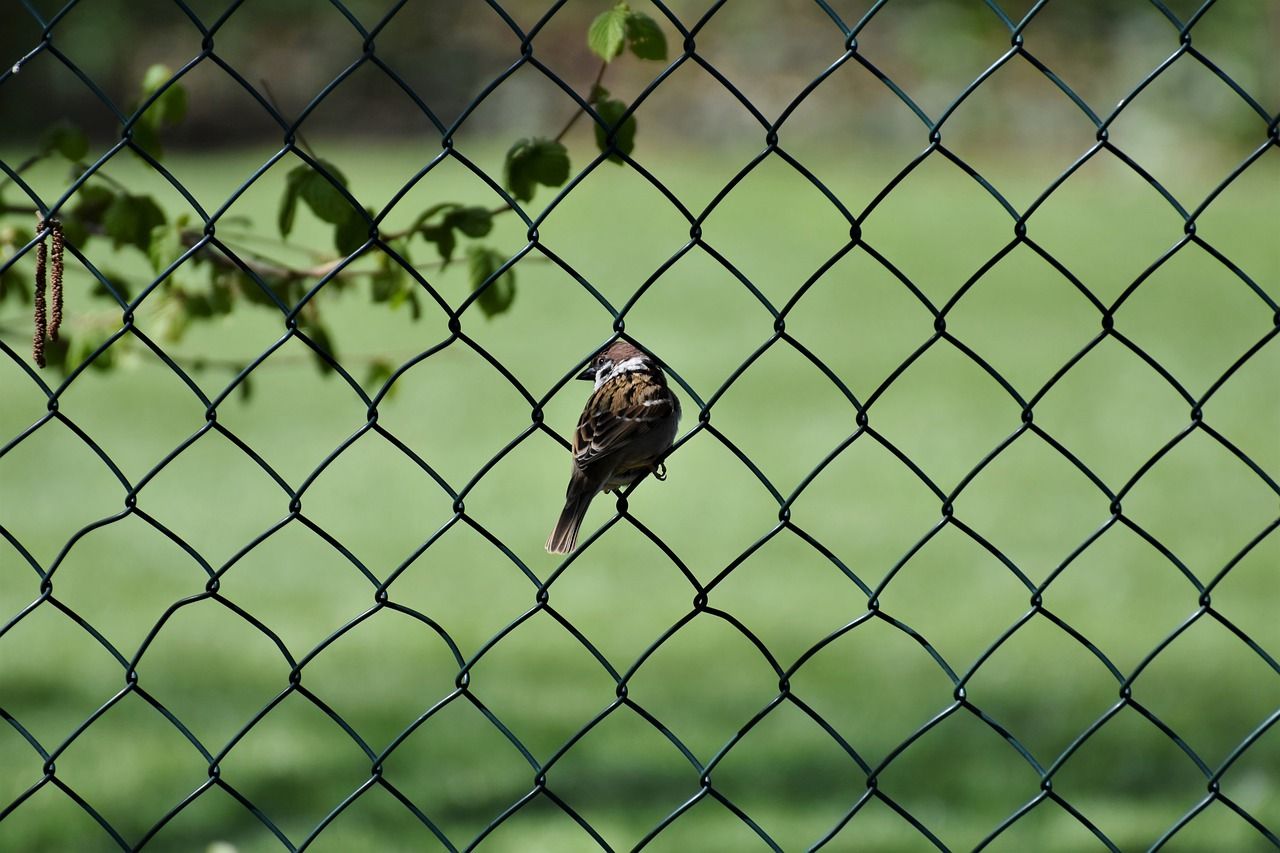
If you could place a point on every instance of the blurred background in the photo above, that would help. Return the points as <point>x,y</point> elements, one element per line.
<point>953,589</point>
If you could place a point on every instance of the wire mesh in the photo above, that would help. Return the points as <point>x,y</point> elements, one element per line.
<point>843,47</point>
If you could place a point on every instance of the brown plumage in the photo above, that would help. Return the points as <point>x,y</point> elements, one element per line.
<point>628,424</point>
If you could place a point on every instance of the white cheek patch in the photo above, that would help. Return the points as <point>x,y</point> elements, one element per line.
<point>636,362</point>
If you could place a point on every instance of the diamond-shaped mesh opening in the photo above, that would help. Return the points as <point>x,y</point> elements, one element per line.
<point>624,808</point>
<point>966,226</point>
<point>598,592</point>
<point>1105,62</point>
<point>1033,504</point>
<point>544,684</point>
<point>1051,137</point>
<point>459,769</point>
<point>131,755</point>
<point>1214,648</point>
<point>52,817</point>
<point>1024,318</point>
<point>295,765</point>
<point>1058,665</point>
<point>41,637</point>
<point>804,758</point>
<point>957,734</point>
<point>741,682</point>
<point>1128,228</point>
<point>922,588</point>
<point>212,709</point>
<point>128,553</point>
<point>1125,558</point>
<point>966,538</point>
<point>1102,769</point>
<point>78,484</point>
<point>687,85</point>
<point>818,580</point>
<point>1189,93</point>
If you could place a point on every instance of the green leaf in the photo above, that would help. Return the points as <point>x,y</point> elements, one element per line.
<point>624,135</point>
<point>535,161</point>
<point>432,211</point>
<point>117,281</point>
<point>399,297</point>
<point>443,237</point>
<point>130,219</point>
<point>92,201</point>
<point>288,205</point>
<point>154,77</point>
<point>105,360</point>
<point>67,139</point>
<point>250,290</point>
<point>174,322</point>
<point>220,293</point>
<point>171,107</point>
<point>199,306</point>
<point>645,37</point>
<point>472,221</point>
<point>146,137</point>
<point>352,233</point>
<point>320,336</point>
<point>73,232</point>
<point>388,281</point>
<point>13,238</point>
<point>608,31</point>
<point>165,246</point>
<point>56,352</point>
<point>380,370</point>
<point>13,284</point>
<point>405,293</point>
<point>482,263</point>
<point>325,200</point>
<point>383,286</point>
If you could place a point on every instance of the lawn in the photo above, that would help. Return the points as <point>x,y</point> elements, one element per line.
<point>942,605</point>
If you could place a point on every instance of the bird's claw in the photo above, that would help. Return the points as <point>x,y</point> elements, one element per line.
<point>660,472</point>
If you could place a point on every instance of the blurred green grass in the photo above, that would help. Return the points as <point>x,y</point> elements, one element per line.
<point>875,685</point>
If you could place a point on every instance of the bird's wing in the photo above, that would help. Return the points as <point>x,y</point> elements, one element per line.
<point>617,415</point>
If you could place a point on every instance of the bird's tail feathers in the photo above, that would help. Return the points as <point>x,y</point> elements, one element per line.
<point>565,535</point>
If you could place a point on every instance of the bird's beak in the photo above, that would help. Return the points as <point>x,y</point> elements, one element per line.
<point>589,374</point>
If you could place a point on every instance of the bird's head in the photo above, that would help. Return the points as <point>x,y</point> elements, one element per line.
<point>617,358</point>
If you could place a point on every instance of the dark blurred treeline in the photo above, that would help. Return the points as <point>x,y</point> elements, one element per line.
<point>446,51</point>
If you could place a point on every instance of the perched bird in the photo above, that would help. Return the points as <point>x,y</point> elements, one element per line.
<point>628,425</point>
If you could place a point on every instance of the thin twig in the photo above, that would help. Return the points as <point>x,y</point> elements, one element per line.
<point>24,165</point>
<point>254,237</point>
<point>275,104</point>
<point>573,119</point>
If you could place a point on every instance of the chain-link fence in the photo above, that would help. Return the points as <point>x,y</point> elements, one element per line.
<point>976,739</point>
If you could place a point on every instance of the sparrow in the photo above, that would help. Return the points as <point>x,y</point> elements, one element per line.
<point>628,425</point>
